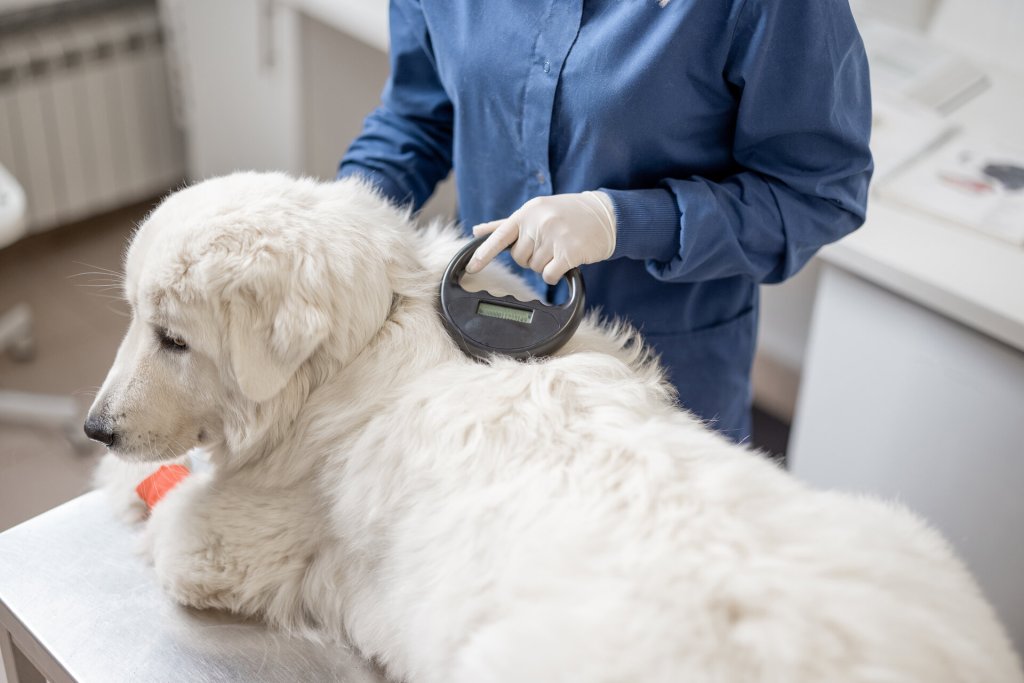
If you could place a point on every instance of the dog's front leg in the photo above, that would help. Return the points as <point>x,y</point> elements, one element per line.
<point>216,543</point>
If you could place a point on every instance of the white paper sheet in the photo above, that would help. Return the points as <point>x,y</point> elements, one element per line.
<point>972,181</point>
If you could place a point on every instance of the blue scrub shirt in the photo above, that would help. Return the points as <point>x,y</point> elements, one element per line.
<point>731,135</point>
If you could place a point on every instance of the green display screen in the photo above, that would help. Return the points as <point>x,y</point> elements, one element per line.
<point>504,312</point>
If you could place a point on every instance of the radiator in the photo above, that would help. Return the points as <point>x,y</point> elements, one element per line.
<point>86,120</point>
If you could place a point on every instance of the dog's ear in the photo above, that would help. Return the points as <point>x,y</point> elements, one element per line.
<point>271,333</point>
<point>266,353</point>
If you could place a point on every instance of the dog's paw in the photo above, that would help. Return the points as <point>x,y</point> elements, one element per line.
<point>199,577</point>
<point>194,563</point>
<point>191,583</point>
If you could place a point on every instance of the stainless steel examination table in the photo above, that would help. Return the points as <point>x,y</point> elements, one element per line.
<point>78,604</point>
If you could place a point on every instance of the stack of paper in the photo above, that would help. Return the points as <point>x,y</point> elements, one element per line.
<point>970,181</point>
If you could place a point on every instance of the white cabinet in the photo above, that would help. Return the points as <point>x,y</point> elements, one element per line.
<point>238,67</point>
<point>921,404</point>
<point>279,85</point>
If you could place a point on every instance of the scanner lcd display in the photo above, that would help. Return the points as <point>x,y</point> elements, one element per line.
<point>490,310</point>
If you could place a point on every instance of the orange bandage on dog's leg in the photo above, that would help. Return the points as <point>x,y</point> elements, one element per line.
<point>155,486</point>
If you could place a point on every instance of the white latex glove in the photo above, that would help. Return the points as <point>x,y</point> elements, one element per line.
<point>551,234</point>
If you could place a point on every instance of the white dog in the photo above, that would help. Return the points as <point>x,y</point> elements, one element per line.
<point>459,521</point>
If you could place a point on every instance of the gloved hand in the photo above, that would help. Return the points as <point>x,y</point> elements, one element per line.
<point>551,234</point>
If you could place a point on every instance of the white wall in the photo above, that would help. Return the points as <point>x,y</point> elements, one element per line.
<point>988,31</point>
<point>341,83</point>
<point>342,78</point>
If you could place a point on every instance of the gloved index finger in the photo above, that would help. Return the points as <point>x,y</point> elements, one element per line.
<point>481,229</point>
<point>499,240</point>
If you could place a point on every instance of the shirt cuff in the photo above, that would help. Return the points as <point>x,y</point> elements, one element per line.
<point>646,224</point>
<point>382,182</point>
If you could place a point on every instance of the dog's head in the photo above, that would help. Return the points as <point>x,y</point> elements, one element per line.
<point>235,284</point>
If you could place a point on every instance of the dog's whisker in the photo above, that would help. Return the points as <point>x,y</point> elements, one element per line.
<point>99,285</point>
<point>179,447</point>
<point>99,268</point>
<point>111,297</point>
<point>94,281</point>
<point>97,273</point>
<point>105,294</point>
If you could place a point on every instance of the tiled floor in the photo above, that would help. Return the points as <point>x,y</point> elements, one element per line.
<point>77,329</point>
<point>79,323</point>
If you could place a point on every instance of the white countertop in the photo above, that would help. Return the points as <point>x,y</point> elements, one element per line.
<point>967,276</point>
<point>365,20</point>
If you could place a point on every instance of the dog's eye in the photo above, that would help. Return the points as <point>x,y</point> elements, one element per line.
<point>171,342</point>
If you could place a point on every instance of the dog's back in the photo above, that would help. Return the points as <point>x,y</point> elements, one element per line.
<point>563,521</point>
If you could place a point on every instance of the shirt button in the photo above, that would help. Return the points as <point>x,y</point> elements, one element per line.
<point>540,177</point>
<point>547,66</point>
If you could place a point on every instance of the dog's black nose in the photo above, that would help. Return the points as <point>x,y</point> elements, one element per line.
<point>100,430</point>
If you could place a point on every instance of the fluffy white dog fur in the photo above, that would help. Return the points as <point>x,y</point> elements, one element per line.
<point>457,521</point>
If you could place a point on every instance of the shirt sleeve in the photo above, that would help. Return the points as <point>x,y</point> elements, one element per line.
<point>405,147</point>
<point>801,141</point>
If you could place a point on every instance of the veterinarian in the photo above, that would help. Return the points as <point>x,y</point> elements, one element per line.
<point>685,151</point>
